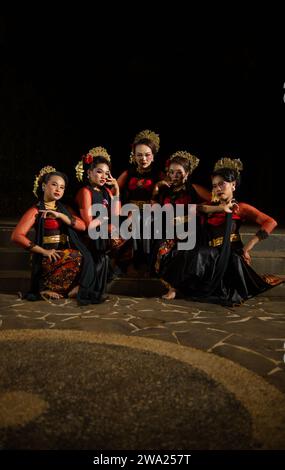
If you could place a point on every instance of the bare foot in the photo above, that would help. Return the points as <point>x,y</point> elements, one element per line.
<point>272,280</point>
<point>73,293</point>
<point>170,295</point>
<point>50,294</point>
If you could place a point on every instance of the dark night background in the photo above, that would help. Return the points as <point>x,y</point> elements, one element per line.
<point>69,84</point>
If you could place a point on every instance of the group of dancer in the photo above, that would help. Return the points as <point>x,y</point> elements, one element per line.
<point>67,262</point>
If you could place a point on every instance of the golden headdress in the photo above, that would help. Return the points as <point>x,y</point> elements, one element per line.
<point>88,159</point>
<point>231,163</point>
<point>146,134</point>
<point>43,171</point>
<point>99,152</point>
<point>193,161</point>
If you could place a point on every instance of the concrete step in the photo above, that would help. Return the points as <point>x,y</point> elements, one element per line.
<point>262,261</point>
<point>275,241</point>
<point>12,282</point>
<point>14,259</point>
<point>5,236</point>
<point>272,262</point>
<point>136,287</point>
<point>267,257</point>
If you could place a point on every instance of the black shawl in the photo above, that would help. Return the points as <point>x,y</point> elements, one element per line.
<point>88,292</point>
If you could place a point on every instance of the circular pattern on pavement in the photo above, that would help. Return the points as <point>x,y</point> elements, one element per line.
<point>18,408</point>
<point>109,392</point>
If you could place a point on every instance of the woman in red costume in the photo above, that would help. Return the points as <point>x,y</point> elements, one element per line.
<point>62,266</point>
<point>102,189</point>
<point>137,184</point>
<point>177,189</point>
<point>218,269</point>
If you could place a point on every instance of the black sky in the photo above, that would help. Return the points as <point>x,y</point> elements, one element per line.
<point>215,89</point>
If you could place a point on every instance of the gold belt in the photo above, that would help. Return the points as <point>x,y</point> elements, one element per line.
<point>140,204</point>
<point>220,240</point>
<point>62,238</point>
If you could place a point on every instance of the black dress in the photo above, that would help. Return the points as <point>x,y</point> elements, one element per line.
<point>215,271</point>
<point>138,188</point>
<point>165,249</point>
<point>98,246</point>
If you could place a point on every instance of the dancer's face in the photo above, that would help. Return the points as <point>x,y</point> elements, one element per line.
<point>143,156</point>
<point>224,190</point>
<point>177,174</point>
<point>54,188</point>
<point>99,175</point>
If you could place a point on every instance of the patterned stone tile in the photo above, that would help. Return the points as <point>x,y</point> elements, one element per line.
<point>200,338</point>
<point>157,333</point>
<point>252,335</point>
<point>266,348</point>
<point>251,360</point>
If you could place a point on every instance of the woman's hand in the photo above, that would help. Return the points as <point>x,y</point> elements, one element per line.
<point>248,247</point>
<point>56,215</point>
<point>223,206</point>
<point>210,209</point>
<point>52,255</point>
<point>227,207</point>
<point>246,256</point>
<point>230,206</point>
<point>45,212</point>
<point>160,184</point>
<point>112,182</point>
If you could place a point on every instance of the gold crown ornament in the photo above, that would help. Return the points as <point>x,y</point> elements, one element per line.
<point>231,163</point>
<point>89,158</point>
<point>43,171</point>
<point>150,135</point>
<point>193,161</point>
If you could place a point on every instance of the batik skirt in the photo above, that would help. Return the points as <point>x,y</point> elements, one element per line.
<point>63,274</point>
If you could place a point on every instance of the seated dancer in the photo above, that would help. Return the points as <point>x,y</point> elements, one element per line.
<point>177,188</point>
<point>137,183</point>
<point>62,266</point>
<point>99,187</point>
<point>218,270</point>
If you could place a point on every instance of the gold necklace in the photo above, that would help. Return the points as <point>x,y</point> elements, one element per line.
<point>50,205</point>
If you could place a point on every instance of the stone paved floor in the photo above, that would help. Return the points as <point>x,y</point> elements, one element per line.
<point>252,335</point>
<point>245,342</point>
